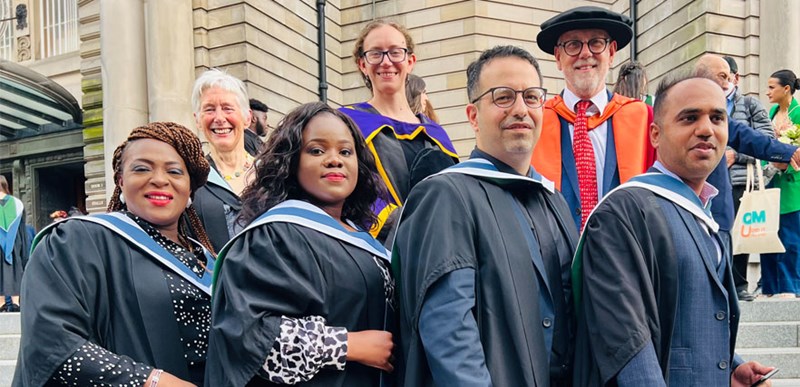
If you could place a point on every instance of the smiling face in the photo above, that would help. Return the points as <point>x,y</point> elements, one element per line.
<point>776,92</point>
<point>585,73</point>
<point>222,119</point>
<point>155,182</point>
<point>509,134</point>
<point>692,131</point>
<point>328,167</point>
<point>386,77</point>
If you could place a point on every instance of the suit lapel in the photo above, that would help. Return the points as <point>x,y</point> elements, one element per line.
<point>708,256</point>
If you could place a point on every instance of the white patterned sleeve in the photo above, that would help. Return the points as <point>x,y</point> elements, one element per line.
<point>304,347</point>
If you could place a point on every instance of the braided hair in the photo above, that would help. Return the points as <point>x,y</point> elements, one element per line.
<point>189,148</point>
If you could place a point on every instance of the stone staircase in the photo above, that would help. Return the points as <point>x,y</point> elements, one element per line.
<point>9,346</point>
<point>769,332</point>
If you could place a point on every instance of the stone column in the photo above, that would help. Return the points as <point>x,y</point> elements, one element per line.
<point>170,60</point>
<point>123,66</point>
<point>779,39</point>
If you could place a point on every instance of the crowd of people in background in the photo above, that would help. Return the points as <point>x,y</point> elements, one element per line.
<point>586,240</point>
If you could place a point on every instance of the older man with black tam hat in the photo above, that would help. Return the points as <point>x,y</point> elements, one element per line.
<point>599,136</point>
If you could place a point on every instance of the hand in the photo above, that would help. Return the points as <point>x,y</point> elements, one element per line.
<point>748,373</point>
<point>780,166</point>
<point>795,162</point>
<point>730,157</point>
<point>168,380</point>
<point>371,348</point>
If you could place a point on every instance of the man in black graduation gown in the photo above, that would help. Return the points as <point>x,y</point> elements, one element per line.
<point>656,300</point>
<point>483,249</point>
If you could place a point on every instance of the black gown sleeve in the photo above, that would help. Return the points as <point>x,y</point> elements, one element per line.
<point>63,296</point>
<point>618,285</point>
<point>431,242</point>
<point>269,272</point>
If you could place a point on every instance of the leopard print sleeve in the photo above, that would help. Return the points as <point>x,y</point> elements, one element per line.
<point>305,346</point>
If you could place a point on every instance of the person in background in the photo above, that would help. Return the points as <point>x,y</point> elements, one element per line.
<point>222,114</point>
<point>592,139</point>
<point>780,273</point>
<point>407,147</point>
<point>304,294</point>
<point>417,96</point>
<point>14,241</point>
<point>258,127</point>
<point>123,298</point>
<point>632,83</point>
<point>655,297</point>
<point>750,111</point>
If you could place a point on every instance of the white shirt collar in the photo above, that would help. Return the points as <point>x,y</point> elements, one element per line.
<point>600,100</point>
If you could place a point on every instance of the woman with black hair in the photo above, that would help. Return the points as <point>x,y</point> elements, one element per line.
<point>780,273</point>
<point>304,293</point>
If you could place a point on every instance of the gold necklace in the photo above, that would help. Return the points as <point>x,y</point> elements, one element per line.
<point>236,174</point>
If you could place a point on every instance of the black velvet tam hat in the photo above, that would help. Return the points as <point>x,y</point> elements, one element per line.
<point>617,25</point>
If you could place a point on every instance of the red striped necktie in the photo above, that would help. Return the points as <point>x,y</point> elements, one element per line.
<point>584,161</point>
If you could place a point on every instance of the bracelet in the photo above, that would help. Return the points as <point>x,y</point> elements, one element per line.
<point>156,376</point>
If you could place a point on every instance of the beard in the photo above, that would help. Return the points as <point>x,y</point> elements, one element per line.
<point>260,130</point>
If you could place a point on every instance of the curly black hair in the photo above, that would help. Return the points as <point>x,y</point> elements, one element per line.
<point>277,164</point>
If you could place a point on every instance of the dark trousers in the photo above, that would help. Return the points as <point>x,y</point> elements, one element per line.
<point>739,260</point>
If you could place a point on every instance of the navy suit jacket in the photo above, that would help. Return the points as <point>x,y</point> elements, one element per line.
<point>749,141</point>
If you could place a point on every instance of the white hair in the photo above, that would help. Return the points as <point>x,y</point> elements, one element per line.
<point>217,78</point>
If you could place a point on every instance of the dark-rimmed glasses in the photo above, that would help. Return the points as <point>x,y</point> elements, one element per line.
<point>504,97</point>
<point>396,55</point>
<point>574,47</point>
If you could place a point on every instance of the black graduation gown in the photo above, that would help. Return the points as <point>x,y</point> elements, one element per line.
<point>455,221</point>
<point>627,223</point>
<point>287,269</point>
<point>86,283</point>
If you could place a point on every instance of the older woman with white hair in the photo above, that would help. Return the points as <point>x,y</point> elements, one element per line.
<point>222,113</point>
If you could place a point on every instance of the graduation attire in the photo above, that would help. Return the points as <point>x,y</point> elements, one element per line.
<point>101,280</point>
<point>293,261</point>
<point>405,153</point>
<point>514,232</point>
<point>654,289</point>
<point>217,207</point>
<point>14,244</point>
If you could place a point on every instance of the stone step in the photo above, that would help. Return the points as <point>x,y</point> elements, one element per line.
<point>784,382</point>
<point>787,359</point>
<point>761,334</point>
<point>9,323</point>
<point>7,372</point>
<point>770,310</point>
<point>9,347</point>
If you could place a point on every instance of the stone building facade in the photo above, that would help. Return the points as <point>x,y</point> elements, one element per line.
<point>137,59</point>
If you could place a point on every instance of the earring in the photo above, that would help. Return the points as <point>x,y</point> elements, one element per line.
<point>189,203</point>
<point>121,198</point>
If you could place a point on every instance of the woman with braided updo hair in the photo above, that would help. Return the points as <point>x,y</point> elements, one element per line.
<point>127,295</point>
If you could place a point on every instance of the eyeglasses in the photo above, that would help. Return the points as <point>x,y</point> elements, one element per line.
<point>396,55</point>
<point>504,97</point>
<point>574,47</point>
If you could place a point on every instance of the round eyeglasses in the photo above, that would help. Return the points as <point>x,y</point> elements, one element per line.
<point>396,55</point>
<point>504,97</point>
<point>574,47</point>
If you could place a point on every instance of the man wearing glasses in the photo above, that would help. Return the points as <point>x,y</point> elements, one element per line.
<point>592,139</point>
<point>483,249</point>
